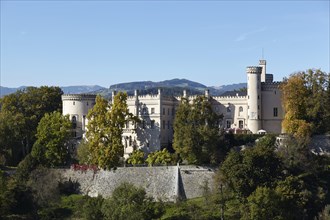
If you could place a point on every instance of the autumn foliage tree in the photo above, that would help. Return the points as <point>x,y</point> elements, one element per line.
<point>306,100</point>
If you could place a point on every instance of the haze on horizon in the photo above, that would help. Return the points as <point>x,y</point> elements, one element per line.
<point>108,42</point>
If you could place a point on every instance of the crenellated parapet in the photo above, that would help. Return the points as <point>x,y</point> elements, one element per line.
<point>78,97</point>
<point>269,86</point>
<point>253,70</point>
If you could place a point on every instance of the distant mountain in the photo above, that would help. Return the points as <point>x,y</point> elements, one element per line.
<point>169,87</point>
<point>80,89</point>
<point>66,89</point>
<point>230,87</point>
<point>5,90</point>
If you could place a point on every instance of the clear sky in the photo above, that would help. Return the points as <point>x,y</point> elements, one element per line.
<point>106,42</point>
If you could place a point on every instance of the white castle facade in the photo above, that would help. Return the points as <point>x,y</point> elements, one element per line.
<point>258,111</point>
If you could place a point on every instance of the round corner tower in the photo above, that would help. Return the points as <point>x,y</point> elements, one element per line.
<point>77,107</point>
<point>254,97</point>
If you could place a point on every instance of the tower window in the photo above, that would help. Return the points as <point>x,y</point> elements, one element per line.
<point>163,111</point>
<point>163,124</point>
<point>275,112</point>
<point>258,97</point>
<point>152,110</point>
<point>168,124</point>
<point>168,111</point>
<point>152,124</point>
<point>74,103</point>
<point>74,122</point>
<point>87,103</point>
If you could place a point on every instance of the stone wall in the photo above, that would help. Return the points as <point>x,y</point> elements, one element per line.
<point>166,183</point>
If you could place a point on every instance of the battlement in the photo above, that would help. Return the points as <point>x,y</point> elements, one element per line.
<point>148,96</point>
<point>253,70</point>
<point>78,97</point>
<point>218,98</point>
<point>266,86</point>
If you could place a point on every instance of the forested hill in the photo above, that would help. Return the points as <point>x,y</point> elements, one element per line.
<point>169,87</point>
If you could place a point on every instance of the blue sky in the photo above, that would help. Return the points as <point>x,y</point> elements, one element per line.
<point>106,42</point>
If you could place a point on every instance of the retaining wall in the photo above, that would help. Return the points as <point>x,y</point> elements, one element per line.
<point>167,183</point>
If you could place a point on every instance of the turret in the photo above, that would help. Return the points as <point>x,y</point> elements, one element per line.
<point>254,97</point>
<point>262,63</point>
<point>77,107</point>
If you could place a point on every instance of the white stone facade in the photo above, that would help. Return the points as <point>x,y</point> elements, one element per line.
<point>260,110</point>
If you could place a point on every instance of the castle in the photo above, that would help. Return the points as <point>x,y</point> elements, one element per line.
<point>259,110</point>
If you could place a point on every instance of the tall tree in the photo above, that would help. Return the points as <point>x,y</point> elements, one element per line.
<point>53,135</point>
<point>306,103</point>
<point>19,117</point>
<point>196,131</point>
<point>105,129</point>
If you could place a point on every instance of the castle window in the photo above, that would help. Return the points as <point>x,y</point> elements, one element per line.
<point>228,123</point>
<point>130,140</point>
<point>74,122</point>
<point>275,112</point>
<point>168,111</point>
<point>173,111</point>
<point>163,124</point>
<point>87,103</point>
<point>240,124</point>
<point>240,110</point>
<point>163,111</point>
<point>258,97</point>
<point>152,124</point>
<point>74,103</point>
<point>275,92</point>
<point>168,124</point>
<point>152,110</point>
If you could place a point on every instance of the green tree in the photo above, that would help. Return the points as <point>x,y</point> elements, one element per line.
<point>159,157</point>
<point>136,157</point>
<point>105,129</point>
<point>262,204</point>
<point>130,202</point>
<point>53,135</point>
<point>196,131</point>
<point>83,153</point>
<point>19,117</point>
<point>244,171</point>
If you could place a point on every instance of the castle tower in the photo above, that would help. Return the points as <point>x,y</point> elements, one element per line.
<point>77,107</point>
<point>262,63</point>
<point>254,97</point>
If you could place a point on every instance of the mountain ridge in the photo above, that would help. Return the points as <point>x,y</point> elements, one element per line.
<point>170,87</point>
